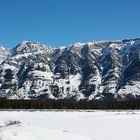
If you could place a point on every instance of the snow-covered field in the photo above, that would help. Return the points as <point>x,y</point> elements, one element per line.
<point>70,125</point>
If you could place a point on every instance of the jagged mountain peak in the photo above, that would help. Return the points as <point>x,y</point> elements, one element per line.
<point>78,44</point>
<point>3,53</point>
<point>29,47</point>
<point>2,48</point>
<point>30,43</point>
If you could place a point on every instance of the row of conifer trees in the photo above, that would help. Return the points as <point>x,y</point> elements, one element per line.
<point>68,104</point>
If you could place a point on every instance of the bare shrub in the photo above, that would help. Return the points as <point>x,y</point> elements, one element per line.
<point>1,137</point>
<point>14,133</point>
<point>12,122</point>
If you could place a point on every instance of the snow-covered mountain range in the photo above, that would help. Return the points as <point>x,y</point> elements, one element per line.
<point>93,70</point>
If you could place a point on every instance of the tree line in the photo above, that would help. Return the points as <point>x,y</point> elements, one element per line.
<point>68,104</point>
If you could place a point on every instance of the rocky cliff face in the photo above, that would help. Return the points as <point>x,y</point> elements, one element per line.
<point>93,70</point>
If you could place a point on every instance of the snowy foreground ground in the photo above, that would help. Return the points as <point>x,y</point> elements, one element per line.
<point>70,125</point>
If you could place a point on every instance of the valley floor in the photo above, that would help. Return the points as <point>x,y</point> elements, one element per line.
<point>70,125</point>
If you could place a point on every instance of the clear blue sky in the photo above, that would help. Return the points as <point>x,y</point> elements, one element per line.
<point>63,22</point>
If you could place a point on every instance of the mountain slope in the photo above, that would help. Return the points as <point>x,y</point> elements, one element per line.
<point>3,53</point>
<point>93,70</point>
